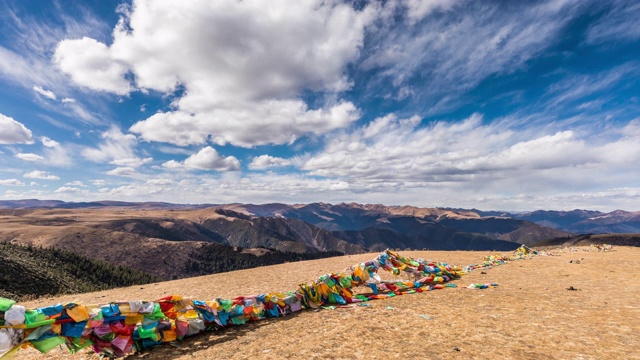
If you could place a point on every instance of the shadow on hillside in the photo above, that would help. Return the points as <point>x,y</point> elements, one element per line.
<point>208,339</point>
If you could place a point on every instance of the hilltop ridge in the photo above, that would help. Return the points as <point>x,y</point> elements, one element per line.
<point>596,321</point>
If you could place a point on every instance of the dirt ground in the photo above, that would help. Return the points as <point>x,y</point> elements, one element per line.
<point>530,315</point>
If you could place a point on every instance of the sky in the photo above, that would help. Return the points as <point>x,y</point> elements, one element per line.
<point>493,105</point>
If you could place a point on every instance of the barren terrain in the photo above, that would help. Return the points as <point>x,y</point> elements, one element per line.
<point>530,315</point>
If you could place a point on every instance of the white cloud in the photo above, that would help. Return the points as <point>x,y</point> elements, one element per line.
<point>117,149</point>
<point>55,153</point>
<point>79,111</point>
<point>172,164</point>
<point>247,51</point>
<point>267,161</point>
<point>68,100</point>
<point>244,73</point>
<point>46,93</point>
<point>265,123</point>
<point>29,157</point>
<point>392,155</point>
<point>131,162</point>
<point>233,187</point>
<point>76,183</point>
<point>13,132</point>
<point>625,149</point>
<point>90,64</point>
<point>11,182</point>
<point>206,159</point>
<point>122,171</point>
<point>47,142</point>
<point>98,182</point>
<point>71,190</point>
<point>42,175</point>
<point>24,70</point>
<point>160,182</point>
<point>487,192</point>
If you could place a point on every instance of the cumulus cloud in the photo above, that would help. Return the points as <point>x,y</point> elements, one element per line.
<point>243,74</point>
<point>29,157</point>
<point>234,187</point>
<point>46,93</point>
<point>50,143</point>
<point>76,183</point>
<point>267,161</point>
<point>486,157</point>
<point>159,182</point>
<point>206,159</point>
<point>90,64</point>
<point>247,50</point>
<point>131,162</point>
<point>269,122</point>
<point>71,190</point>
<point>42,175</point>
<point>122,171</point>
<point>11,182</point>
<point>13,132</point>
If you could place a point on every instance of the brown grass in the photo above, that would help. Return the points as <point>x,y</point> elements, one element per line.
<point>530,315</point>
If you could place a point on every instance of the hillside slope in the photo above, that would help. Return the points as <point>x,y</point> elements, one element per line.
<point>379,239</point>
<point>162,242</point>
<point>530,315</point>
<point>31,271</point>
<point>591,239</point>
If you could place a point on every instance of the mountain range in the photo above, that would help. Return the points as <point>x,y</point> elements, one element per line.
<point>357,216</point>
<point>586,221</point>
<point>170,241</point>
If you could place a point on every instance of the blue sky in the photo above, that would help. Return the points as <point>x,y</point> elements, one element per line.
<point>486,104</point>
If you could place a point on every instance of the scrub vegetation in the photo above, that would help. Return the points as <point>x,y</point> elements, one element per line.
<point>30,271</point>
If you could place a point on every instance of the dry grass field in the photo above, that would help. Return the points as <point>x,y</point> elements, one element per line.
<point>530,315</point>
